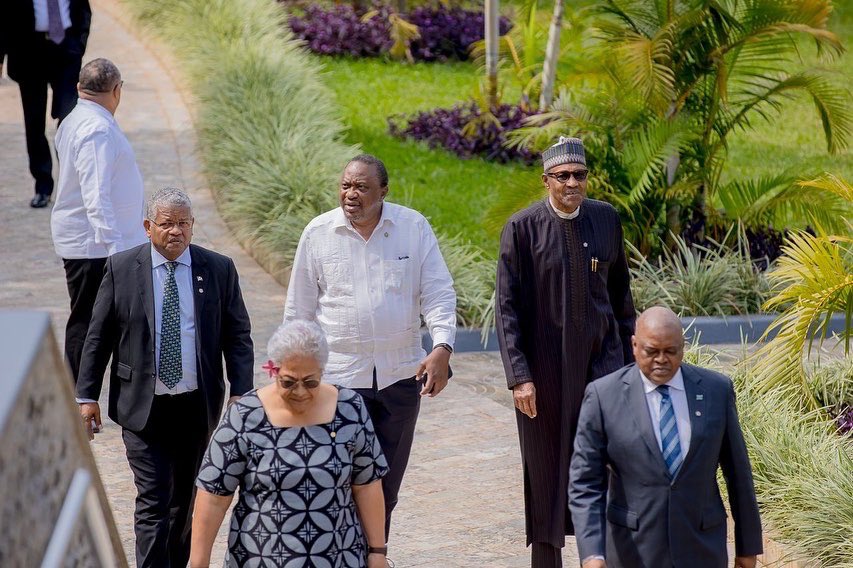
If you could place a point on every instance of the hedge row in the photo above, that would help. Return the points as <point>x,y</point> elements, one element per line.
<point>270,136</point>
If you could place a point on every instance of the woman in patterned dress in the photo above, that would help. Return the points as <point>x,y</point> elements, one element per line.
<point>308,465</point>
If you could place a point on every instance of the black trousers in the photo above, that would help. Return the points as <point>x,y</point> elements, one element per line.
<point>165,458</point>
<point>394,412</point>
<point>61,70</point>
<point>83,278</point>
<point>544,555</point>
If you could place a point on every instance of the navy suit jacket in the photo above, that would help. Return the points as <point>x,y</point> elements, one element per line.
<point>623,503</point>
<point>122,326</point>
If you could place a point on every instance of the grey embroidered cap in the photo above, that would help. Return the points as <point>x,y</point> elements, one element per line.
<point>565,151</point>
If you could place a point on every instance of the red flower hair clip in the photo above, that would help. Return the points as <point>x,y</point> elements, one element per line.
<point>271,368</point>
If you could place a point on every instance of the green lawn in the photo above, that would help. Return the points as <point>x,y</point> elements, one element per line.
<point>455,193</point>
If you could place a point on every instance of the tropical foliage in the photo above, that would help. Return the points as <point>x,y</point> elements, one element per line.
<point>813,280</point>
<point>699,280</point>
<point>675,80</point>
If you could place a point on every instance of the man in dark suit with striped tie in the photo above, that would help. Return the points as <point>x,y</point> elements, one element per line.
<point>643,479</point>
<point>168,313</point>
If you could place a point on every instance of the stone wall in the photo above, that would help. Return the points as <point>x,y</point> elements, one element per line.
<point>53,508</point>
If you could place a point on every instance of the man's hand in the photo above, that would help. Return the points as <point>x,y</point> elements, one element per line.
<point>435,366</point>
<point>524,397</point>
<point>90,410</point>
<point>234,398</point>
<point>746,562</point>
<point>594,563</point>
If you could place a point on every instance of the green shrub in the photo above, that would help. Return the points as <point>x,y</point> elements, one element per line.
<point>803,470</point>
<point>696,280</point>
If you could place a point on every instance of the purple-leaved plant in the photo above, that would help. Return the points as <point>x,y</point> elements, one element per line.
<point>445,33</point>
<point>341,31</point>
<point>443,128</point>
<point>448,33</point>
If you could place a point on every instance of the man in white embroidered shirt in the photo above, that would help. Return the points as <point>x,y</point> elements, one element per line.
<point>100,198</point>
<point>366,272</point>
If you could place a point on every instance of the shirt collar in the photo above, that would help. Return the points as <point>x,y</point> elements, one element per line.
<point>676,382</point>
<point>340,220</point>
<point>157,259</point>
<point>92,105</point>
<point>562,215</point>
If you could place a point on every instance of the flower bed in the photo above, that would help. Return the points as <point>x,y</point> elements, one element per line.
<point>466,131</point>
<point>445,33</point>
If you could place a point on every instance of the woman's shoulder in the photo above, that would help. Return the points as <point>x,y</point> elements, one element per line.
<point>348,399</point>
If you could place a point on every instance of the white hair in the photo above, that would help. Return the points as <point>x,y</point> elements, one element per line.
<point>298,337</point>
<point>167,197</point>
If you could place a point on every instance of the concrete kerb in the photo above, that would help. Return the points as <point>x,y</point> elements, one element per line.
<point>709,330</point>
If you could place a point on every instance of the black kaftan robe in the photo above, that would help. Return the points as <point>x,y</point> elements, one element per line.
<point>560,324</point>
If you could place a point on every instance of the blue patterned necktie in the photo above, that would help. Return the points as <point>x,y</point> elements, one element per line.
<point>170,371</point>
<point>670,444</point>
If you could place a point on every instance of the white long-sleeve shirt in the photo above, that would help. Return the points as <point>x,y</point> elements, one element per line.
<point>369,295</point>
<point>100,196</point>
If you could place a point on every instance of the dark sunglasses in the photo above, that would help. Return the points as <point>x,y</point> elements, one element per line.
<point>563,177</point>
<point>290,384</point>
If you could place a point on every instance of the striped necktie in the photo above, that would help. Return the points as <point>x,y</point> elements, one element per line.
<point>670,444</point>
<point>170,371</point>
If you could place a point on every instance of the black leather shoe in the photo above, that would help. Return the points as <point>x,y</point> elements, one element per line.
<point>40,200</point>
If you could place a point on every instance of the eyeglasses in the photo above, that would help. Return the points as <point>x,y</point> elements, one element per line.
<point>564,177</point>
<point>169,225</point>
<point>290,384</point>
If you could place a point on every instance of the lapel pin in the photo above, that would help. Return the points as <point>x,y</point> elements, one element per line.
<point>700,397</point>
<point>698,413</point>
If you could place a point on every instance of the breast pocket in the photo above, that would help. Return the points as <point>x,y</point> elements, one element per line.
<point>396,275</point>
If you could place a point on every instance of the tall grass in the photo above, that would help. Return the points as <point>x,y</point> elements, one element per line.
<point>270,134</point>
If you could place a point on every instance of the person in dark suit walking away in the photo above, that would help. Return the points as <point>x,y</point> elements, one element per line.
<point>45,41</point>
<point>643,480</point>
<point>168,312</point>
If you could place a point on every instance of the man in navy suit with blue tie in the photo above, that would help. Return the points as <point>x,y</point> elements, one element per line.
<point>643,479</point>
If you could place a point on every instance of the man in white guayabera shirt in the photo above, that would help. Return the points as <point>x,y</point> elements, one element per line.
<point>100,198</point>
<point>367,271</point>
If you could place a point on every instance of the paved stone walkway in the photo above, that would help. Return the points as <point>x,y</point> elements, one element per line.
<point>461,504</point>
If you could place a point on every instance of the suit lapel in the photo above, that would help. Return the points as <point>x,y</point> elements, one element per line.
<point>696,405</point>
<point>635,401</point>
<point>145,283</point>
<point>200,292</point>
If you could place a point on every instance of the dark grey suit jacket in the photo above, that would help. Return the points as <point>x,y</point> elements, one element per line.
<point>122,326</point>
<point>643,519</point>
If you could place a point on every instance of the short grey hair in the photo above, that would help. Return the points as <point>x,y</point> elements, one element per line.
<point>298,337</point>
<point>167,197</point>
<point>99,76</point>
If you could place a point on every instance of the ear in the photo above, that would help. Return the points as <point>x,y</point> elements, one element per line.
<point>384,192</point>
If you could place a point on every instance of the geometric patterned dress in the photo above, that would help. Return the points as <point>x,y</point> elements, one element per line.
<point>295,507</point>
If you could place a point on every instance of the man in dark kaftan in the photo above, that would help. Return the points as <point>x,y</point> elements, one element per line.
<point>565,317</point>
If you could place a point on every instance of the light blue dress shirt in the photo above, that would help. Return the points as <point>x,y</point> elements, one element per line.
<point>184,280</point>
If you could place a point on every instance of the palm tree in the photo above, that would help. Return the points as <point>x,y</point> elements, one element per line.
<point>699,71</point>
<point>552,53</point>
<point>814,281</point>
